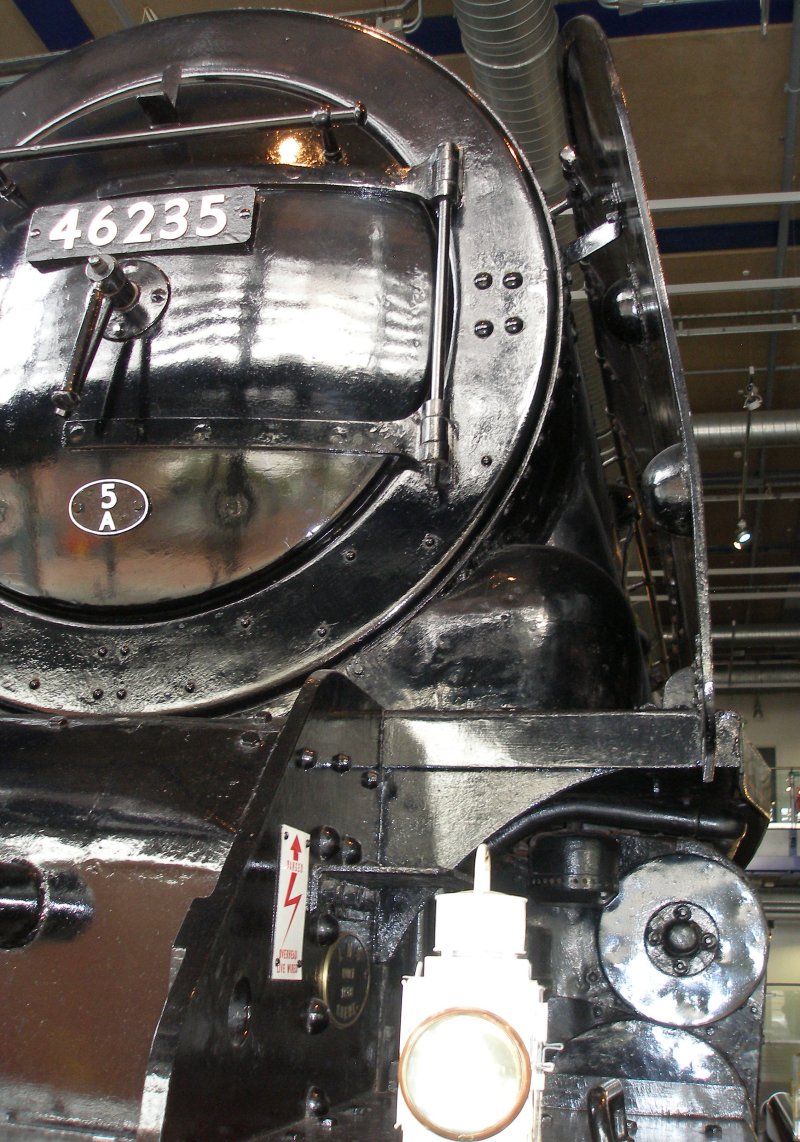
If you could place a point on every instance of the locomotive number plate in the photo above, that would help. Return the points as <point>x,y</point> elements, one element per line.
<point>183,220</point>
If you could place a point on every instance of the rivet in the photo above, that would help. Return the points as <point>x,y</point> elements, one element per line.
<point>513,324</point>
<point>315,1016</point>
<point>486,461</point>
<point>321,632</point>
<point>351,850</point>
<point>483,280</point>
<point>101,652</point>
<point>428,541</point>
<point>512,280</point>
<point>306,758</point>
<point>323,928</point>
<point>122,692</point>
<point>325,842</point>
<point>317,1102</point>
<point>189,687</point>
<point>245,622</point>
<point>250,738</point>
<point>484,328</point>
<point>369,779</point>
<point>34,683</point>
<point>245,212</point>
<point>341,762</point>
<point>124,651</point>
<point>75,433</point>
<point>350,554</point>
<point>97,694</point>
<point>681,967</point>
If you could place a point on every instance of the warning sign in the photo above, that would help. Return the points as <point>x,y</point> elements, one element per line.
<point>290,914</point>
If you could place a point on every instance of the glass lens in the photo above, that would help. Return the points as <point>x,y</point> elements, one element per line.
<point>465,1075</point>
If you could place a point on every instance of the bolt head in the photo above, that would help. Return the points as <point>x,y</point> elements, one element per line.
<point>306,758</point>
<point>569,160</point>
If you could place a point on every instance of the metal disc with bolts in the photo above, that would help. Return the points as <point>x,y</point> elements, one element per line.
<point>152,299</point>
<point>717,983</point>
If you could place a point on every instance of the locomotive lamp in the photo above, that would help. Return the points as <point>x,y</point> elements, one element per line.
<point>473,1024</point>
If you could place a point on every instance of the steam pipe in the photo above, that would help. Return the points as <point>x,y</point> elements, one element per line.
<point>644,817</point>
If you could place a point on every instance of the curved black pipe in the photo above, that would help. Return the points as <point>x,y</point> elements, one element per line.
<point>649,820</point>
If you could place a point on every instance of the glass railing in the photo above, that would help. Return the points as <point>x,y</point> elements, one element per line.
<point>780,1054</point>
<point>786,796</point>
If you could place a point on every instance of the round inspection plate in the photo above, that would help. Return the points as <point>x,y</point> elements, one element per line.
<point>709,994</point>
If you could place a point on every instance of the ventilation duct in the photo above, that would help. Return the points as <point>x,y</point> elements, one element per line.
<point>514,51</point>
<point>783,632</point>
<point>728,430</point>
<point>755,678</point>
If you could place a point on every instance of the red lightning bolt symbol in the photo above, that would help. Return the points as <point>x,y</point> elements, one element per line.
<point>292,900</point>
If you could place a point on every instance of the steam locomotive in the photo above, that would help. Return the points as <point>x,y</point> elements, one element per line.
<point>344,782</point>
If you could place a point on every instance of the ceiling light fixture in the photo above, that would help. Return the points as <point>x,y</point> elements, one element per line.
<point>743,534</point>
<point>752,401</point>
<point>752,395</point>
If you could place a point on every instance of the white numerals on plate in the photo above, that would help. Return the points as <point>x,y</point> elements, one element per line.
<point>172,218</point>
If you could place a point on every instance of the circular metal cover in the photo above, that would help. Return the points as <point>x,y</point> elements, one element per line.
<point>220,605</point>
<point>719,988</point>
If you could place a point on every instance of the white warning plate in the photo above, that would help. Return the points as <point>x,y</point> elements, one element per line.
<point>290,914</point>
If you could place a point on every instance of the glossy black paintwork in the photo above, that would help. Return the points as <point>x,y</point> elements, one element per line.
<point>272,414</point>
<point>334,335</point>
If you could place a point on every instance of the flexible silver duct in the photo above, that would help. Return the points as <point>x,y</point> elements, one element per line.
<point>513,48</point>
<point>753,678</point>
<point>727,430</point>
<point>782,632</point>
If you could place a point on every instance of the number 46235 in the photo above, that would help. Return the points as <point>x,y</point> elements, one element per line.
<point>142,222</point>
